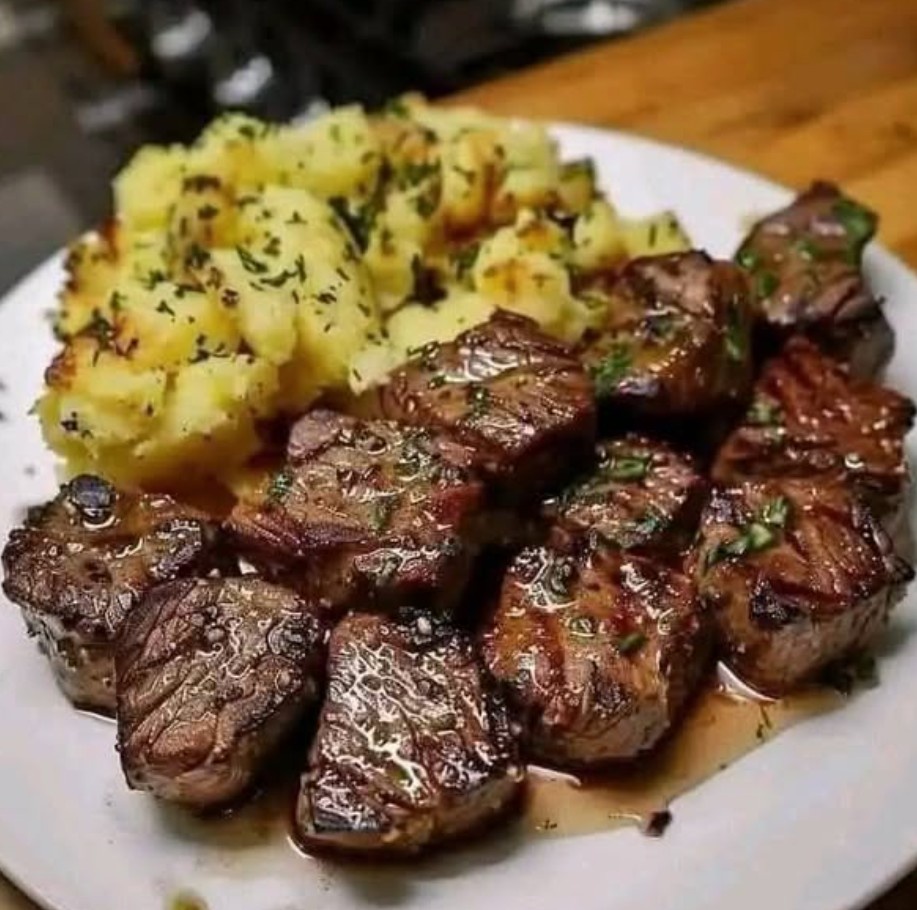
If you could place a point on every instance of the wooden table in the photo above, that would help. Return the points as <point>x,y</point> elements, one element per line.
<point>792,88</point>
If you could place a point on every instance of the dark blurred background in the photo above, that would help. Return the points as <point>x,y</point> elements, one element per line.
<point>84,82</point>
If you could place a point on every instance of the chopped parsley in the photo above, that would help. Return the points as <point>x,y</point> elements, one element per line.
<point>736,333</point>
<point>764,413</point>
<point>859,222</point>
<point>630,643</point>
<point>765,284</point>
<point>759,534</point>
<point>465,259</point>
<point>250,263</point>
<point>629,467</point>
<point>748,259</point>
<point>608,372</point>
<point>280,485</point>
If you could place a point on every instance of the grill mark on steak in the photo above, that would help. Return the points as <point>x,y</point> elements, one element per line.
<point>806,267</point>
<point>212,676</point>
<point>519,400</point>
<point>598,649</point>
<point>810,418</point>
<point>81,563</point>
<point>676,341</point>
<point>641,496</point>
<point>366,509</point>
<point>799,573</point>
<point>414,746</point>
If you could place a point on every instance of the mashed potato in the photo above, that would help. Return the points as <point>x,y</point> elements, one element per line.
<point>264,266</point>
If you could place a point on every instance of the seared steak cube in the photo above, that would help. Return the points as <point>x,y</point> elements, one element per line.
<point>413,747</point>
<point>82,562</point>
<point>809,417</point>
<point>212,676</point>
<point>806,266</point>
<point>599,650</point>
<point>518,399</point>
<point>641,496</point>
<point>366,509</point>
<point>799,574</point>
<point>676,341</point>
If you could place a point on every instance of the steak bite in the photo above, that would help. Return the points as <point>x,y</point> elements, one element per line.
<point>642,496</point>
<point>80,564</point>
<point>366,509</point>
<point>212,676</point>
<point>806,267</point>
<point>519,400</point>
<point>799,574</point>
<point>809,417</point>
<point>599,650</point>
<point>413,747</point>
<point>676,339</point>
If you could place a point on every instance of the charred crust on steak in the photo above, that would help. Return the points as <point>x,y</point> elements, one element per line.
<point>809,417</point>
<point>702,359</point>
<point>366,509</point>
<point>80,564</point>
<point>799,573</point>
<point>640,496</point>
<point>414,744</point>
<point>213,674</point>
<point>805,263</point>
<point>518,399</point>
<point>597,649</point>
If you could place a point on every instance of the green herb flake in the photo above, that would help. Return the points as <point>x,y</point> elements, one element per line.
<point>776,512</point>
<point>280,485</point>
<point>465,259</point>
<point>764,413</point>
<point>756,536</point>
<point>250,263</point>
<point>628,468</point>
<point>859,222</point>
<point>608,372</point>
<point>163,307</point>
<point>765,284</point>
<point>630,643</point>
<point>736,338</point>
<point>748,259</point>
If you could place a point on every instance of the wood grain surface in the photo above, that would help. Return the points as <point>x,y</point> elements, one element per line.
<point>792,88</point>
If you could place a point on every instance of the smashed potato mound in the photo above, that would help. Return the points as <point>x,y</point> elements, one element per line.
<point>264,266</point>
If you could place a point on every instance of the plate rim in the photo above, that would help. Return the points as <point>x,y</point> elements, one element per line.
<point>872,887</point>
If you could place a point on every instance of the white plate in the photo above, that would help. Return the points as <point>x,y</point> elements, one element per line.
<point>822,818</point>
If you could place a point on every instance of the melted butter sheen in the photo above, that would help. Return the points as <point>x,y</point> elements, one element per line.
<point>720,727</point>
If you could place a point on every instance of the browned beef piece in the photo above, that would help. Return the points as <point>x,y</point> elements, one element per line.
<point>598,649</point>
<point>810,418</point>
<point>520,401</point>
<point>676,341</point>
<point>805,262</point>
<point>799,574</point>
<point>414,746</point>
<point>641,496</point>
<point>81,563</point>
<point>212,676</point>
<point>366,509</point>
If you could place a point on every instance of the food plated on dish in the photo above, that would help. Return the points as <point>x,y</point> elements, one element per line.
<point>509,472</point>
